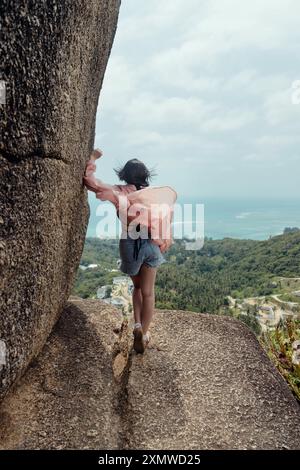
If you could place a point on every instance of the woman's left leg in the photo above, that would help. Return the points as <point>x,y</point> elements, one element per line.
<point>137,299</point>
<point>138,342</point>
<point>147,281</point>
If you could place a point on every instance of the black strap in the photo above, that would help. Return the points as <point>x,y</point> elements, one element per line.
<point>137,241</point>
<point>136,248</point>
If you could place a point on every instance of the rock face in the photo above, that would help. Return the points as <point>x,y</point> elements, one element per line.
<point>53,59</point>
<point>68,397</point>
<point>205,383</point>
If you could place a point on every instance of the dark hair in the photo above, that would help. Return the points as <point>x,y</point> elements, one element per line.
<point>135,172</point>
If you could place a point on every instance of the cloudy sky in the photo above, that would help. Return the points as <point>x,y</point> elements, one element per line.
<point>202,90</point>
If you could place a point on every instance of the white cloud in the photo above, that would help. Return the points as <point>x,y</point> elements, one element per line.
<point>280,110</point>
<point>205,84</point>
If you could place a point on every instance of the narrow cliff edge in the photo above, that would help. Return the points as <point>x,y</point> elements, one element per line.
<point>205,383</point>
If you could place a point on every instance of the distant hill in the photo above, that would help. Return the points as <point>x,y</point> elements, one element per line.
<point>200,280</point>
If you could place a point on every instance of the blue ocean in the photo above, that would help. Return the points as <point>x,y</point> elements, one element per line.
<point>243,218</point>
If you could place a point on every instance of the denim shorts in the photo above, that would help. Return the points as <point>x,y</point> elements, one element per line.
<point>148,253</point>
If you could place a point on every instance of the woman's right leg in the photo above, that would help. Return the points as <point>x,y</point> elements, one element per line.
<point>147,282</point>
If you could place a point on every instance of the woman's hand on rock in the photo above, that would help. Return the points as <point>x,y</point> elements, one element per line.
<point>96,153</point>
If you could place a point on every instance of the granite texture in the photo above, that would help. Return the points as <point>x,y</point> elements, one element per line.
<point>203,383</point>
<point>53,59</point>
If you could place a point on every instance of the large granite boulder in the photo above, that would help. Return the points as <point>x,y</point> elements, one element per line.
<point>53,59</point>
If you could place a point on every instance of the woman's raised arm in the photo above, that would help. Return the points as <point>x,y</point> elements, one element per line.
<point>104,191</point>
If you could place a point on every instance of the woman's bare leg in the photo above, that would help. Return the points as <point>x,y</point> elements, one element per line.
<point>137,299</point>
<point>147,281</point>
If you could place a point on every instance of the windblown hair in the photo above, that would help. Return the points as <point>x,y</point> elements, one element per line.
<point>135,172</point>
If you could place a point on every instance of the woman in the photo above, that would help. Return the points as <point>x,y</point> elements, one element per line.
<point>140,255</point>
